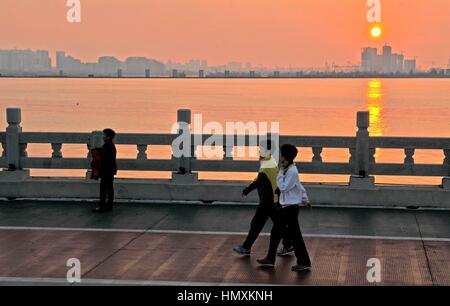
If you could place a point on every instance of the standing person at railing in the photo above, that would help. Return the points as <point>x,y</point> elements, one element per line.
<point>105,165</point>
<point>266,185</point>
<point>292,194</point>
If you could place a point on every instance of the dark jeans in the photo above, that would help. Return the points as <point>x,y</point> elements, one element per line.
<point>288,216</point>
<point>107,191</point>
<point>263,212</point>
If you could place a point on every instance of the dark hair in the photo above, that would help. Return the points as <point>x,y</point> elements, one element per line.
<point>289,152</point>
<point>109,133</point>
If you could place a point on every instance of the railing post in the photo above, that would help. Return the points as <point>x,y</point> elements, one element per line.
<point>184,128</point>
<point>184,174</point>
<point>95,142</point>
<point>362,144</point>
<point>361,178</point>
<point>13,117</point>
<point>14,149</point>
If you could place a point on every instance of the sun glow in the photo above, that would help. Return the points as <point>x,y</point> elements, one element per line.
<point>375,32</point>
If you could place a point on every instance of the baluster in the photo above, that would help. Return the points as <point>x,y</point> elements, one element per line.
<point>446,179</point>
<point>23,150</point>
<point>409,155</point>
<point>228,147</point>
<point>89,155</point>
<point>352,152</point>
<point>227,153</point>
<point>193,151</point>
<point>142,151</point>
<point>447,157</point>
<point>56,150</point>
<point>317,151</point>
<point>372,152</point>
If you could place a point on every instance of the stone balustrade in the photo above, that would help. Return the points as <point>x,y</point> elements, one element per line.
<point>361,166</point>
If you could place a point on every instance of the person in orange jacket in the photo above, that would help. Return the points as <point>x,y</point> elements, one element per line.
<point>96,163</point>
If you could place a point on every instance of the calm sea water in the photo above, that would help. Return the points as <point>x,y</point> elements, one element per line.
<point>398,107</point>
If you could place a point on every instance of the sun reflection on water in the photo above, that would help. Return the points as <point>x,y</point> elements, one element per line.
<point>375,104</point>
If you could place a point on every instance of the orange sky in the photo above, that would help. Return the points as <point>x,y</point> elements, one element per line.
<point>267,32</point>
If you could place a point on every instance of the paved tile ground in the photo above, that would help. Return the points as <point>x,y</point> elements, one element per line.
<point>167,243</point>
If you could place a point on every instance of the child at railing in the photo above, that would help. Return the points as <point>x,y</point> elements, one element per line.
<point>104,166</point>
<point>292,194</point>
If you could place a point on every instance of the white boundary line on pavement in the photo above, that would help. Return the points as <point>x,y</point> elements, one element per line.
<point>62,281</point>
<point>88,201</point>
<point>186,232</point>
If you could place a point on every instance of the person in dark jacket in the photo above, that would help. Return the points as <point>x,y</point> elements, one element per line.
<point>268,206</point>
<point>107,171</point>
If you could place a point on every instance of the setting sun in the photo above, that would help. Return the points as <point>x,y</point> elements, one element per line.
<point>375,32</point>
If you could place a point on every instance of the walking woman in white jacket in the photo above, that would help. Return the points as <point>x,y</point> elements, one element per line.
<point>292,195</point>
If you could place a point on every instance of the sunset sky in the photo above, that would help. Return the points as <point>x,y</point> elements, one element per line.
<point>263,32</point>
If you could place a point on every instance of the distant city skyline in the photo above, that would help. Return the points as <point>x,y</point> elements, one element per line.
<point>236,63</point>
<point>370,61</point>
<point>282,33</point>
<point>189,65</point>
<point>38,63</point>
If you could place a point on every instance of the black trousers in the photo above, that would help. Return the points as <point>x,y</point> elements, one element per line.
<point>263,212</point>
<point>107,191</point>
<point>288,217</point>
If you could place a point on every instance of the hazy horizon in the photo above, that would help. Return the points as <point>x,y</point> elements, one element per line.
<point>285,33</point>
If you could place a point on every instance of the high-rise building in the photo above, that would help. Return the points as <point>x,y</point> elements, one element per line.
<point>108,65</point>
<point>69,64</point>
<point>138,66</point>
<point>60,57</point>
<point>20,61</point>
<point>234,66</point>
<point>397,62</point>
<point>369,59</point>
<point>410,66</point>
<point>387,50</point>
<point>387,62</point>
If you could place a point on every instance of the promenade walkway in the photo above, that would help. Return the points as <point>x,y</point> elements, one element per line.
<point>173,244</point>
